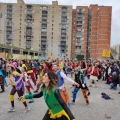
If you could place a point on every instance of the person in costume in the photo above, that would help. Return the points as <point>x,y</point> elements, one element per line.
<point>61,82</point>
<point>57,108</point>
<point>17,86</point>
<point>2,81</point>
<point>41,73</point>
<point>30,71</point>
<point>28,83</point>
<point>79,78</point>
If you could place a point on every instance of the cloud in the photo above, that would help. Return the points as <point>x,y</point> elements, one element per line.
<point>115,31</point>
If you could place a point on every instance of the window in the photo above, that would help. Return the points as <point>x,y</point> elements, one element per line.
<point>20,19</point>
<point>19,40</point>
<point>52,20</point>
<point>21,6</point>
<point>52,25</point>
<point>52,33</point>
<point>19,36</point>
<point>20,23</point>
<point>20,15</point>
<point>52,29</point>
<point>20,32</point>
<point>52,37</point>
<point>52,16</point>
<point>19,44</point>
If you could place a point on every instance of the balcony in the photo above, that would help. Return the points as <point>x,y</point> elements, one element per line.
<point>64,15</point>
<point>29,12</point>
<point>43,43</point>
<point>79,29</point>
<point>9,13</point>
<point>44,26</point>
<point>77,51</point>
<point>43,39</point>
<point>79,44</point>
<point>9,29</point>
<point>80,11</point>
<point>62,40</point>
<point>63,27</point>
<point>63,31</point>
<point>44,21</point>
<point>43,34</point>
<point>44,17</point>
<point>78,35</point>
<point>28,38</point>
<point>44,30</point>
<point>80,19</point>
<point>63,35</point>
<point>9,42</point>
<point>28,46</point>
<point>44,12</point>
<point>9,7</point>
<point>28,24</point>
<point>28,43</point>
<point>44,8</point>
<point>28,33</point>
<point>64,10</point>
<point>9,24</point>
<point>9,16</point>
<point>29,17</point>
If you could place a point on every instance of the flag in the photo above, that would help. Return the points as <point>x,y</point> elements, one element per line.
<point>106,53</point>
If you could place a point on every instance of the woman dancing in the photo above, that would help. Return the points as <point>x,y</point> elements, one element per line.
<point>58,109</point>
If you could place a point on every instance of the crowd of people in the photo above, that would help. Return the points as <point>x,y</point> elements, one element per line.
<point>33,79</point>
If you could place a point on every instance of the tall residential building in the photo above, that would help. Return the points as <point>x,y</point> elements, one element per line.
<point>99,33</point>
<point>115,51</point>
<point>45,28</point>
<point>91,28</point>
<point>79,31</point>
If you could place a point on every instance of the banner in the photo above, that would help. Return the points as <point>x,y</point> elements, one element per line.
<point>106,53</point>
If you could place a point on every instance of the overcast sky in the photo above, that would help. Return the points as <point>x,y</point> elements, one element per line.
<point>115,33</point>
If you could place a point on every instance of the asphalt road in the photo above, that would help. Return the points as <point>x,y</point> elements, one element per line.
<point>95,111</point>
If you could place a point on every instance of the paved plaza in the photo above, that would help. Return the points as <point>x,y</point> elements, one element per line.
<point>95,111</point>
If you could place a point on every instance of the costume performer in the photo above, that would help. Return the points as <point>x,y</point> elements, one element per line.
<point>30,71</point>
<point>2,81</point>
<point>79,78</point>
<point>57,108</point>
<point>61,83</point>
<point>28,82</point>
<point>17,86</point>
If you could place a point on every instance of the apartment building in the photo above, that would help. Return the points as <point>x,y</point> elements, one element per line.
<point>115,51</point>
<point>45,28</point>
<point>91,28</point>
<point>79,31</point>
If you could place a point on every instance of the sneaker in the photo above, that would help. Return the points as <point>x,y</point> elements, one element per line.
<point>26,109</point>
<point>87,104</point>
<point>88,93</point>
<point>12,109</point>
<point>35,91</point>
<point>73,102</point>
<point>31,100</point>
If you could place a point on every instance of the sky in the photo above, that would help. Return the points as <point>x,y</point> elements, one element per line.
<point>115,29</point>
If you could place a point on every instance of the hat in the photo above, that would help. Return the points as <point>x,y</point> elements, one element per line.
<point>14,64</point>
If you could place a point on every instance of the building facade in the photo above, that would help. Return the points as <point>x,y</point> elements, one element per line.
<point>56,30</point>
<point>115,51</point>
<point>91,28</point>
<point>44,28</point>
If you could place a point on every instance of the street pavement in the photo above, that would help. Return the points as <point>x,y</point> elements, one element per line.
<point>97,109</point>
